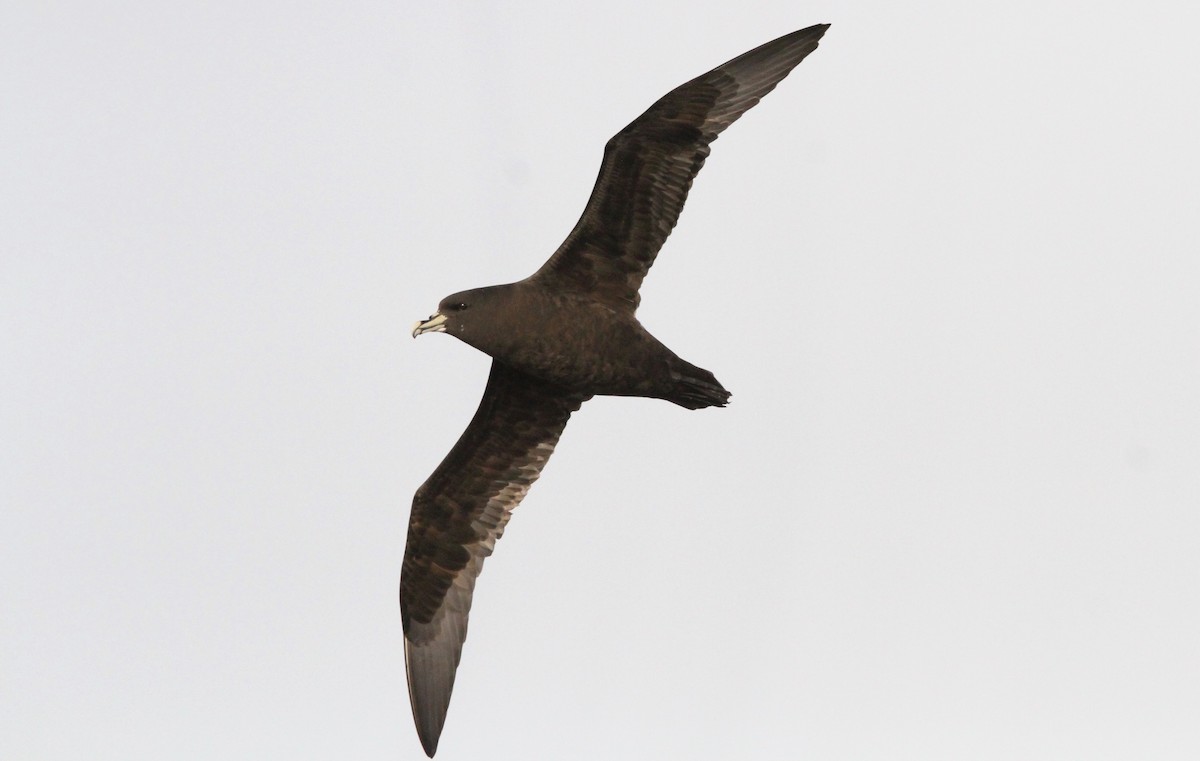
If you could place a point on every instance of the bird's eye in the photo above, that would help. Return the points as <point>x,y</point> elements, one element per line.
<point>459,306</point>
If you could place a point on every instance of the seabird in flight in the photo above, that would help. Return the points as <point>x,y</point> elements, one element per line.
<point>557,338</point>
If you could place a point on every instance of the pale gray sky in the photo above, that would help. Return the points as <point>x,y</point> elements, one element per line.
<point>948,269</point>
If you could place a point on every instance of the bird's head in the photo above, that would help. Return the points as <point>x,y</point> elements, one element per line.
<point>448,317</point>
<point>467,315</point>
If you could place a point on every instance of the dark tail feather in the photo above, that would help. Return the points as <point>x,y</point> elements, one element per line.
<point>696,388</point>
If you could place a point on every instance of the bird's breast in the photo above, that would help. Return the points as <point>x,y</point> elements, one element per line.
<point>590,350</point>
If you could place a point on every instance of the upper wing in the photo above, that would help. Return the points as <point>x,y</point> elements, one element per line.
<point>648,169</point>
<point>457,516</point>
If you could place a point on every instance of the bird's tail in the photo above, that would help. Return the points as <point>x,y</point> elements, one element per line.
<point>695,388</point>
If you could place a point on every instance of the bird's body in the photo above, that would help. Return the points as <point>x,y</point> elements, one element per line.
<point>527,325</point>
<point>557,338</point>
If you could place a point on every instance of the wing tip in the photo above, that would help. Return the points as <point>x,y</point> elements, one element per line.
<point>429,689</point>
<point>429,745</point>
<point>809,34</point>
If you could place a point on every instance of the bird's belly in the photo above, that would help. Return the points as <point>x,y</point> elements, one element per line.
<point>618,360</point>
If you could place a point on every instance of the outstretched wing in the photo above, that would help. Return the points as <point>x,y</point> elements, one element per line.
<point>649,166</point>
<point>457,516</point>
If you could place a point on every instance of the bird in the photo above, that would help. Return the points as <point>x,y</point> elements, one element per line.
<point>564,334</point>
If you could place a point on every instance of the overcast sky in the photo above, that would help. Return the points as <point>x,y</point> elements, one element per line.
<point>948,268</point>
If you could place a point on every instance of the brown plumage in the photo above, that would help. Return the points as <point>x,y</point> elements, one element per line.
<point>566,333</point>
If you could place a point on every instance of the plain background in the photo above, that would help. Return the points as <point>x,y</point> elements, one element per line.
<point>948,269</point>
